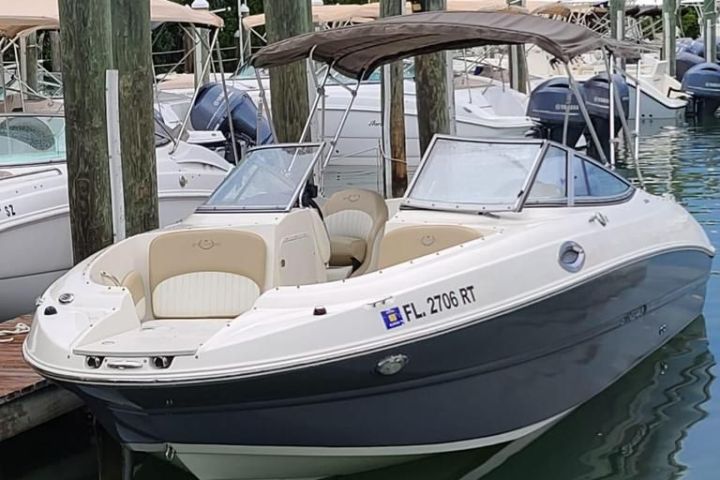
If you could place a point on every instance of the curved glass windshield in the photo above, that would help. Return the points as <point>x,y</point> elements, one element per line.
<point>26,140</point>
<point>474,175</point>
<point>267,179</point>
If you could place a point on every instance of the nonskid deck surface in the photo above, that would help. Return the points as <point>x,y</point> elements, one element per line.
<point>175,337</point>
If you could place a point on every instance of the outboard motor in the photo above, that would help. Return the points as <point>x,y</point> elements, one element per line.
<point>684,62</point>
<point>547,106</point>
<point>696,47</point>
<point>596,92</point>
<point>210,113</point>
<point>703,82</point>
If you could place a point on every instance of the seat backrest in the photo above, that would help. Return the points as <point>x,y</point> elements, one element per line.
<point>407,243</point>
<point>206,273</point>
<point>360,214</point>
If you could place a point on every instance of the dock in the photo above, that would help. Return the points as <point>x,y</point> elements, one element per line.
<point>26,399</point>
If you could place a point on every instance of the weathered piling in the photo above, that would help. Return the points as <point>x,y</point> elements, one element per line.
<point>432,87</point>
<point>617,19</point>
<point>669,22</point>
<point>202,46</point>
<point>518,65</point>
<point>392,100</point>
<point>288,83</point>
<point>87,54</point>
<point>29,61</point>
<point>132,49</point>
<point>55,51</point>
<point>709,18</point>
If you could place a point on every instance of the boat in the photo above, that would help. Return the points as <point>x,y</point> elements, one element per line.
<point>275,334</point>
<point>34,214</point>
<point>485,109</point>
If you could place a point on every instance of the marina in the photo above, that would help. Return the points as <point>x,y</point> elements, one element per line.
<point>426,239</point>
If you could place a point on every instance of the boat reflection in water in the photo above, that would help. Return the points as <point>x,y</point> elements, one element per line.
<point>633,430</point>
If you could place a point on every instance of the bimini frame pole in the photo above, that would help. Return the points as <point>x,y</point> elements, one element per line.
<point>343,119</point>
<point>611,85</point>
<point>236,157</point>
<point>205,69</point>
<point>265,104</point>
<point>617,101</point>
<point>319,93</point>
<point>586,116</point>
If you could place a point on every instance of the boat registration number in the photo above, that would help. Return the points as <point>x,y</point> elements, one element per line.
<point>9,210</point>
<point>434,304</point>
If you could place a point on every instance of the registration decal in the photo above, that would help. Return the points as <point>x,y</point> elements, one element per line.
<point>433,305</point>
<point>392,317</point>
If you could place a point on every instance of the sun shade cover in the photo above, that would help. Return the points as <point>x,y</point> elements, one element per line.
<point>358,50</point>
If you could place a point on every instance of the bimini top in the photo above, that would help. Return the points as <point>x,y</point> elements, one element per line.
<point>359,49</point>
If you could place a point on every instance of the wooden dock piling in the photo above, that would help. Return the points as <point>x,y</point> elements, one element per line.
<point>87,54</point>
<point>132,51</point>
<point>289,83</point>
<point>392,100</point>
<point>669,23</point>
<point>431,87</point>
<point>709,19</point>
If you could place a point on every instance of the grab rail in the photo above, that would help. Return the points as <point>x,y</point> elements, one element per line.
<point>34,172</point>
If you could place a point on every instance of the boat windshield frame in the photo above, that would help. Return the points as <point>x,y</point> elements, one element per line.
<point>320,148</point>
<point>517,206</point>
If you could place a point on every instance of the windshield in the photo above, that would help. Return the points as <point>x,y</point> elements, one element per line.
<point>473,175</point>
<point>268,178</point>
<point>26,140</point>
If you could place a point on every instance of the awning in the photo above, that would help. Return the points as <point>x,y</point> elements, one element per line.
<point>359,49</point>
<point>320,14</point>
<point>20,17</point>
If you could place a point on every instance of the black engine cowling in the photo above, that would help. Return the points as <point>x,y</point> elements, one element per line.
<point>703,82</point>
<point>596,92</point>
<point>549,104</point>
<point>210,112</point>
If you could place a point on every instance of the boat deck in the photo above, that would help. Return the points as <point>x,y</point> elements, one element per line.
<point>26,399</point>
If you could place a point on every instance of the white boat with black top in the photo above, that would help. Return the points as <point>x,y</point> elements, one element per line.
<point>268,337</point>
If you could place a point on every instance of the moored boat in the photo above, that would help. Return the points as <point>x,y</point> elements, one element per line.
<point>268,337</point>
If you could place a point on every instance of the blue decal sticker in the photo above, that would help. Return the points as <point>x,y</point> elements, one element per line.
<point>392,317</point>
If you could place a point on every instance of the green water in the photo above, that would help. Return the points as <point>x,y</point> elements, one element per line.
<point>660,421</point>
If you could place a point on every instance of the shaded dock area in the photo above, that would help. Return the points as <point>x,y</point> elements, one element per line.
<point>26,399</point>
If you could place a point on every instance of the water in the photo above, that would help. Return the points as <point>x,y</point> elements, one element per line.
<point>660,421</point>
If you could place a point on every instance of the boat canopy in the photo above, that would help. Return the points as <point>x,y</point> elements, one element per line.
<point>368,12</point>
<point>19,18</point>
<point>359,49</point>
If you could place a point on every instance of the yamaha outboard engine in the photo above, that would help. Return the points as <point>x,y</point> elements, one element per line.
<point>684,62</point>
<point>596,92</point>
<point>210,113</point>
<point>547,106</point>
<point>703,81</point>
<point>696,47</point>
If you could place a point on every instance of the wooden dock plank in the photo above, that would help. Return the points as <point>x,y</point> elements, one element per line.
<point>26,399</point>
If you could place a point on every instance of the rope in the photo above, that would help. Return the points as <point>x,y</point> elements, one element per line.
<point>19,329</point>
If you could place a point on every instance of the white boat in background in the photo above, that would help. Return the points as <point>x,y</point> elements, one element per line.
<point>483,109</point>
<point>35,236</point>
<point>662,97</point>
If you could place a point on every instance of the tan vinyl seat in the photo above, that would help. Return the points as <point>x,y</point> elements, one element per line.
<point>206,273</point>
<point>355,220</point>
<point>407,243</point>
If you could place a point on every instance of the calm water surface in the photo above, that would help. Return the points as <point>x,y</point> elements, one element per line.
<point>660,421</point>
